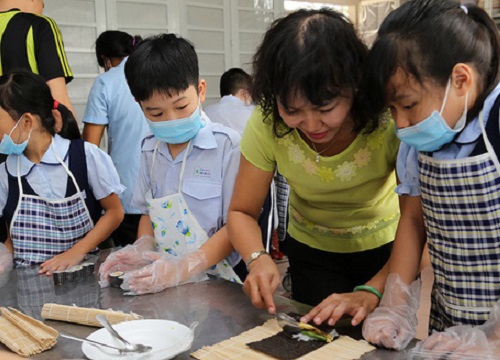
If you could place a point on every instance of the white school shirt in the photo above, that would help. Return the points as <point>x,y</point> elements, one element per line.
<point>49,178</point>
<point>209,176</point>
<point>230,111</point>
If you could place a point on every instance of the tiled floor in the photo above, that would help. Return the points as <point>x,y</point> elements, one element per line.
<point>423,312</point>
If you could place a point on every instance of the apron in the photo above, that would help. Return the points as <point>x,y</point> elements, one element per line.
<point>461,205</point>
<point>177,231</point>
<point>43,228</point>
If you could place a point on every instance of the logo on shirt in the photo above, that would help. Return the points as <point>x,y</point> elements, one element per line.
<point>199,171</point>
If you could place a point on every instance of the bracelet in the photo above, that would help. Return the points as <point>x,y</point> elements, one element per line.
<point>369,289</point>
<point>254,256</point>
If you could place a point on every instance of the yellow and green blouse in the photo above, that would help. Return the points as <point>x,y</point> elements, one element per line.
<point>343,203</point>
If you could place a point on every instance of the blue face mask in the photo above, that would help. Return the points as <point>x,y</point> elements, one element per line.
<point>177,131</point>
<point>433,133</point>
<point>9,147</point>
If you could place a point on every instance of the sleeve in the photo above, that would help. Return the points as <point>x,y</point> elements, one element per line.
<point>4,187</point>
<point>230,166</point>
<point>143,183</point>
<point>407,171</point>
<point>49,50</point>
<point>257,142</point>
<point>96,111</point>
<point>102,175</point>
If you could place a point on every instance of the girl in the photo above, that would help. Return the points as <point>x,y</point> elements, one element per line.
<point>338,161</point>
<point>52,187</point>
<point>111,105</point>
<point>436,64</point>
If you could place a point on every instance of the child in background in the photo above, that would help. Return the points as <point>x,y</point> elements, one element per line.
<point>188,167</point>
<point>51,203</point>
<point>111,105</point>
<point>338,161</point>
<point>435,63</point>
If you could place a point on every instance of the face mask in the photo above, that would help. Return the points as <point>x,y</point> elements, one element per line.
<point>9,147</point>
<point>177,131</point>
<point>433,133</point>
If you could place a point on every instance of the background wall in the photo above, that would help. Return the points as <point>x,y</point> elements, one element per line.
<point>225,32</point>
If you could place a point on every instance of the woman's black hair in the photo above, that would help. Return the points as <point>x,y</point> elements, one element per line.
<point>313,53</point>
<point>25,92</point>
<point>426,39</point>
<point>115,43</point>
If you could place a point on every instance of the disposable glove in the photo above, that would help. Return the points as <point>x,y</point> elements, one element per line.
<point>6,260</point>
<point>464,341</point>
<point>164,272</point>
<point>394,323</point>
<point>127,259</point>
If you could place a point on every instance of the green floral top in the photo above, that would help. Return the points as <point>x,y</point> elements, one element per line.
<point>342,203</point>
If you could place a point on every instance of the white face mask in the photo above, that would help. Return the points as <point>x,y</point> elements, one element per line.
<point>433,133</point>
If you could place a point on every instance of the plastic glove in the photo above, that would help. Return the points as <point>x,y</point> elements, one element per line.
<point>394,323</point>
<point>127,259</point>
<point>6,260</point>
<point>164,272</point>
<point>459,342</point>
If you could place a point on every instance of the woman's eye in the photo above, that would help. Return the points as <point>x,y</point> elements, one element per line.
<point>157,115</point>
<point>324,111</point>
<point>182,107</point>
<point>291,112</point>
<point>408,107</point>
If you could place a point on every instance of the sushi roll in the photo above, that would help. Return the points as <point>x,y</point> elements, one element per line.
<point>88,268</point>
<point>70,275</point>
<point>59,277</point>
<point>116,279</point>
<point>78,270</point>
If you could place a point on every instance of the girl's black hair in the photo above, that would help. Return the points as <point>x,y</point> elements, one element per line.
<point>115,43</point>
<point>25,92</point>
<point>313,53</point>
<point>164,64</point>
<point>426,39</point>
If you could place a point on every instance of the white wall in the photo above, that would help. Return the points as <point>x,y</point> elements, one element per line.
<point>225,32</point>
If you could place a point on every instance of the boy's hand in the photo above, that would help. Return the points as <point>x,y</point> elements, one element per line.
<point>61,262</point>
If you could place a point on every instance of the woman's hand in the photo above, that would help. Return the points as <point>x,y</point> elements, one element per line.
<point>357,304</point>
<point>261,283</point>
<point>61,262</point>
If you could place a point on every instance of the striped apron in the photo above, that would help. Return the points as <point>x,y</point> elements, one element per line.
<point>461,206</point>
<point>41,228</point>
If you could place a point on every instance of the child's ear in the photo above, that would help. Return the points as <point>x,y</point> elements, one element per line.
<point>202,90</point>
<point>463,78</point>
<point>27,122</point>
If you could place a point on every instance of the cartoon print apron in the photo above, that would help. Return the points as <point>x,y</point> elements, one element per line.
<point>42,228</point>
<point>461,205</point>
<point>176,230</point>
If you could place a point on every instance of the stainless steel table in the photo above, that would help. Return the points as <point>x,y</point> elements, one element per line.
<point>220,307</point>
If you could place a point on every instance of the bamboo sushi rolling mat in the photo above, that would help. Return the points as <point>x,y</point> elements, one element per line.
<point>344,348</point>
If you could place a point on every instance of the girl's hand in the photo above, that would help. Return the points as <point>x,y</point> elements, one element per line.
<point>357,304</point>
<point>261,283</point>
<point>61,262</point>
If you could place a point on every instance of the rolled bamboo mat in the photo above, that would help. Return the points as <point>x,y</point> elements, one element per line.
<point>84,316</point>
<point>23,334</point>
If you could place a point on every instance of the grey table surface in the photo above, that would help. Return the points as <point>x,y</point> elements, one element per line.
<point>220,307</point>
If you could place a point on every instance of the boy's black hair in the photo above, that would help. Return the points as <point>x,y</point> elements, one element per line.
<point>313,53</point>
<point>233,80</point>
<point>164,64</point>
<point>426,39</point>
<point>115,43</point>
<point>25,92</point>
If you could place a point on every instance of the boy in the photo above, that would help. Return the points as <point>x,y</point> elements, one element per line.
<point>188,169</point>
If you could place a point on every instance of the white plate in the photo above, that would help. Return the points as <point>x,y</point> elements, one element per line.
<point>168,338</point>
